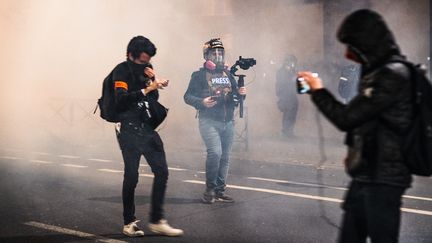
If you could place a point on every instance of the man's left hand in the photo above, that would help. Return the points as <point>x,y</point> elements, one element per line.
<point>162,83</point>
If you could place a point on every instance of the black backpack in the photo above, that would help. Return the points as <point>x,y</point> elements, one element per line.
<point>417,145</point>
<point>106,102</point>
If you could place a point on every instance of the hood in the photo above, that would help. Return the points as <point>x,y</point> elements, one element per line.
<point>368,36</point>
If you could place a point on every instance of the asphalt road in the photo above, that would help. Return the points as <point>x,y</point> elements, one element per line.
<point>74,195</point>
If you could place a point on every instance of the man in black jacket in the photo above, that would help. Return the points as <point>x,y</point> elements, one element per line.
<point>213,92</point>
<point>135,84</point>
<point>375,121</point>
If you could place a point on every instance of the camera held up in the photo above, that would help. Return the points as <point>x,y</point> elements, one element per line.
<point>302,86</point>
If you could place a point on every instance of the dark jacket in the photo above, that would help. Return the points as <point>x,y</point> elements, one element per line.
<point>286,89</point>
<point>378,116</point>
<point>199,89</point>
<point>129,79</point>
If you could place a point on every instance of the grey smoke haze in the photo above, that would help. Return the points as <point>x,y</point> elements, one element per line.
<point>55,54</point>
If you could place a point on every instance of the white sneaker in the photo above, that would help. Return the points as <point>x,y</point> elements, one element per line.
<point>163,228</point>
<point>133,230</point>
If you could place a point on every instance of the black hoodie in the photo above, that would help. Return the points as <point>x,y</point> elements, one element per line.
<point>366,33</point>
<point>377,117</point>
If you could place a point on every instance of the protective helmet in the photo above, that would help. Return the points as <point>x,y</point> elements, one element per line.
<point>212,45</point>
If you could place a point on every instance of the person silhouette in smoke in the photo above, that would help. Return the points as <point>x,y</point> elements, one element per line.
<point>375,121</point>
<point>213,91</point>
<point>135,84</point>
<point>287,94</point>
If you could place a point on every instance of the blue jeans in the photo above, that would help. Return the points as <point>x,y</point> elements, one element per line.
<point>218,138</point>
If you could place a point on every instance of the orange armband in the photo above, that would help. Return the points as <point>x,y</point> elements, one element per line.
<point>120,84</point>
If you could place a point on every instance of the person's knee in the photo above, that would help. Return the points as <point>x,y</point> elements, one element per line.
<point>130,180</point>
<point>161,173</point>
<point>214,154</point>
<point>224,160</point>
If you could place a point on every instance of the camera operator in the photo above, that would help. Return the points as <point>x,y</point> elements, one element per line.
<point>374,121</point>
<point>135,84</point>
<point>287,97</point>
<point>213,91</point>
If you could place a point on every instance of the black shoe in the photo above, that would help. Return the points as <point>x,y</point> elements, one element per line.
<point>222,197</point>
<point>208,197</point>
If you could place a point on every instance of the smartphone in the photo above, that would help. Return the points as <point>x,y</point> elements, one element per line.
<point>302,86</point>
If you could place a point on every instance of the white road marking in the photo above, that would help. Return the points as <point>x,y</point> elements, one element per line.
<point>41,161</point>
<point>147,175</point>
<point>10,157</point>
<point>418,198</point>
<point>176,169</point>
<point>169,168</point>
<point>410,210</point>
<point>180,169</point>
<point>330,187</point>
<point>307,196</point>
<point>329,199</point>
<point>101,160</point>
<point>69,156</point>
<point>120,171</point>
<point>74,166</point>
<point>66,231</point>
<point>111,171</point>
<point>298,183</point>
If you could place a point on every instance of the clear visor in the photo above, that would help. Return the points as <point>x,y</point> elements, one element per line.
<point>216,55</point>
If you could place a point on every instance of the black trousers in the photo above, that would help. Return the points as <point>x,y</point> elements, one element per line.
<point>371,210</point>
<point>136,139</point>
<point>289,120</point>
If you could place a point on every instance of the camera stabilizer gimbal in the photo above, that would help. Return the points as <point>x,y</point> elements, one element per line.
<point>245,64</point>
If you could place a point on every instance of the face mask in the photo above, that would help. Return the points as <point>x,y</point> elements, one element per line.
<point>138,68</point>
<point>215,67</point>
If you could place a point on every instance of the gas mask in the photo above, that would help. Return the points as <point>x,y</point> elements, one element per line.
<point>215,60</point>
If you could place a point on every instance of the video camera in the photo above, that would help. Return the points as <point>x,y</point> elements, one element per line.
<point>246,63</point>
<point>243,63</point>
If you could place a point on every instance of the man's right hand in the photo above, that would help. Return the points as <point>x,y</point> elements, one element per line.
<point>209,102</point>
<point>312,79</point>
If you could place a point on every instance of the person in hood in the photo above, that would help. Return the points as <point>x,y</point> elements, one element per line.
<point>375,121</point>
<point>135,83</point>
<point>214,92</point>
<point>287,95</point>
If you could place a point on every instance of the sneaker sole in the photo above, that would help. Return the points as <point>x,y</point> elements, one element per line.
<point>131,235</point>
<point>207,202</point>
<point>161,233</point>
<point>225,201</point>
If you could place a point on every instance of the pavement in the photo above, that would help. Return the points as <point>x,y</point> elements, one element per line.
<point>285,191</point>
